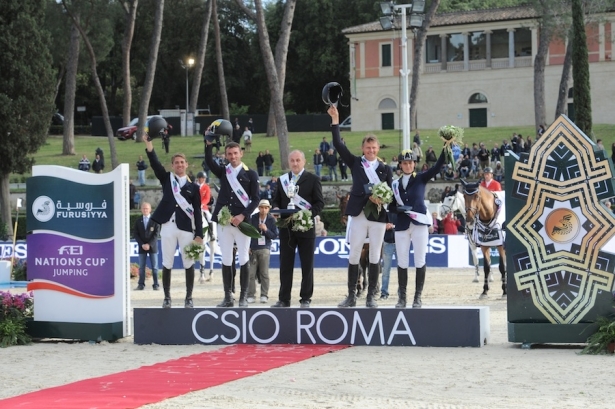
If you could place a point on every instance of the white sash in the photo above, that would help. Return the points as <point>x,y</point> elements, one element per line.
<point>300,202</point>
<point>419,217</point>
<point>370,170</point>
<point>236,186</point>
<point>181,201</point>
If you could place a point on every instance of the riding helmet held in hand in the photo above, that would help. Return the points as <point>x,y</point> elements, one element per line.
<point>155,126</point>
<point>218,128</point>
<point>331,93</point>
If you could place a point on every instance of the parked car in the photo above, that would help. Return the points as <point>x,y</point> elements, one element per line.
<point>130,131</point>
<point>57,119</point>
<point>345,125</point>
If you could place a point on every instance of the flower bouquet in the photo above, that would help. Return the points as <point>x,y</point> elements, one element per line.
<point>15,310</point>
<point>451,135</point>
<point>383,195</point>
<point>194,250</point>
<point>224,219</point>
<point>301,221</point>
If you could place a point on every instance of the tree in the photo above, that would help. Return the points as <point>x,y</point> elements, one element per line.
<point>199,62</point>
<point>96,78</point>
<point>562,91</point>
<point>417,58</point>
<point>130,10</point>
<point>70,89</point>
<point>151,68</point>
<point>219,62</point>
<point>27,87</point>
<point>580,71</point>
<point>272,79</point>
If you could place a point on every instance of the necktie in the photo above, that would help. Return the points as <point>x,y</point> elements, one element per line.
<point>145,220</point>
<point>295,177</point>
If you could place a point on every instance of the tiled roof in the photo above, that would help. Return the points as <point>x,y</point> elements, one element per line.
<point>460,17</point>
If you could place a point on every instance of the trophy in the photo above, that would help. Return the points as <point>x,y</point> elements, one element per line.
<point>292,191</point>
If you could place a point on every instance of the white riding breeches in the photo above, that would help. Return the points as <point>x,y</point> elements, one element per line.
<point>170,237</point>
<point>418,236</point>
<point>227,237</point>
<point>359,229</point>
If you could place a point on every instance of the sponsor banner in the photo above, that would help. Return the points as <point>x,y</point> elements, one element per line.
<point>436,327</point>
<point>330,252</point>
<point>71,264</point>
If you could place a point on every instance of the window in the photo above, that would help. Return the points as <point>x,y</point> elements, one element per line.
<point>523,42</point>
<point>570,92</point>
<point>432,49</point>
<point>477,98</point>
<point>454,50</point>
<point>478,45</point>
<point>385,51</point>
<point>499,44</point>
<point>387,103</point>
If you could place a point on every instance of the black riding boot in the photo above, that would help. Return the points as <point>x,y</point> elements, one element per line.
<point>420,281</point>
<point>244,280</point>
<point>402,279</point>
<point>166,286</point>
<point>374,271</point>
<point>353,276</point>
<point>227,278</point>
<point>189,287</point>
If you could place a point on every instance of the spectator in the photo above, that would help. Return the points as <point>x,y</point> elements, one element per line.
<point>451,224</point>
<point>394,164</point>
<point>599,143</point>
<point>495,154</point>
<point>166,140</point>
<point>132,192</point>
<point>237,134</point>
<point>513,143</point>
<point>318,162</point>
<point>449,174</point>
<point>260,251</point>
<point>456,152</point>
<point>332,164</point>
<point>505,147</point>
<point>98,165</point>
<point>528,144</point>
<point>267,194</point>
<point>461,228</point>
<point>319,226</point>
<point>474,151</point>
<point>417,152</point>
<point>520,144</point>
<point>84,164</point>
<point>388,251</point>
<point>141,167</point>
<point>417,138</point>
<point>247,139</point>
<point>251,125</point>
<point>430,157</point>
<point>464,167</point>
<point>541,131</point>
<point>324,147</point>
<point>146,231</point>
<point>268,160</point>
<point>483,156</point>
<point>498,172</point>
<point>466,151</point>
<point>260,164</point>
<point>343,169</point>
<point>445,193</point>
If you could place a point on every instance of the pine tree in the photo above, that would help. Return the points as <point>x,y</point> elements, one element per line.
<point>580,71</point>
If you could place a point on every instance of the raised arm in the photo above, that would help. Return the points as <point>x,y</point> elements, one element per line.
<point>341,149</point>
<point>211,163</point>
<point>159,170</point>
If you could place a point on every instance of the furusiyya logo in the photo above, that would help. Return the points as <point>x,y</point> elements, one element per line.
<point>43,208</point>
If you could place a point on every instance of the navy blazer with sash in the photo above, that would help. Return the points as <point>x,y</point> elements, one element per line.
<point>168,205</point>
<point>248,179</point>
<point>310,189</point>
<point>358,197</point>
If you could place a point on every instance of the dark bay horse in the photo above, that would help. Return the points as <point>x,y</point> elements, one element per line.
<point>482,209</point>
<point>364,260</point>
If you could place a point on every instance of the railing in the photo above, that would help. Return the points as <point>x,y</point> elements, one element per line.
<point>477,65</point>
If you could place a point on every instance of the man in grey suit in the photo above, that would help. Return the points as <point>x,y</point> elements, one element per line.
<point>145,232</point>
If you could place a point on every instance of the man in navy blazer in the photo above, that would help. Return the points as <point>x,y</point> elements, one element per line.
<point>310,192</point>
<point>146,231</point>
<point>366,170</point>
<point>179,214</point>
<point>239,191</point>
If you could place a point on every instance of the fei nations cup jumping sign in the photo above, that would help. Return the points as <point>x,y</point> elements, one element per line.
<point>78,253</point>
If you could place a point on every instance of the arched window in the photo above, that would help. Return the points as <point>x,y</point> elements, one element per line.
<point>477,98</point>
<point>387,103</point>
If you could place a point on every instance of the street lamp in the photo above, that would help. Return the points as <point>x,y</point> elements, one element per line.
<point>390,9</point>
<point>189,64</point>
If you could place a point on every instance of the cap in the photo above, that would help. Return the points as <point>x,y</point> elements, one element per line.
<point>264,203</point>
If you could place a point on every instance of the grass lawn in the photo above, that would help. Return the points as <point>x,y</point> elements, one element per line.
<point>192,146</point>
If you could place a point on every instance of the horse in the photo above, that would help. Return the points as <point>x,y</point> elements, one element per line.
<point>362,282</point>
<point>453,203</point>
<point>482,209</point>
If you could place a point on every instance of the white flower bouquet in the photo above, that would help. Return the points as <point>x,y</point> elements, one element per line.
<point>194,250</point>
<point>451,135</point>
<point>381,194</point>
<point>224,219</point>
<point>301,221</point>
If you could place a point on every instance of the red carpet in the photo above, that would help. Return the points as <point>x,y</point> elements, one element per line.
<point>149,384</point>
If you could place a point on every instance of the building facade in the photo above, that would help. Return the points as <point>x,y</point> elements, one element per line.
<point>477,71</point>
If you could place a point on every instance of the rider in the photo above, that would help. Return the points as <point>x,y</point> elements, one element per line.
<point>413,222</point>
<point>489,182</point>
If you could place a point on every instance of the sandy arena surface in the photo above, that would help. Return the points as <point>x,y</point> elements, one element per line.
<point>498,375</point>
